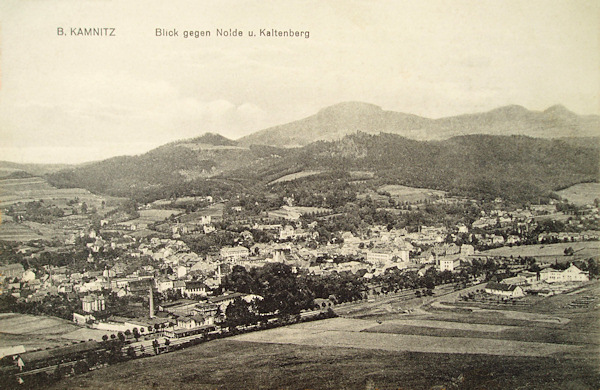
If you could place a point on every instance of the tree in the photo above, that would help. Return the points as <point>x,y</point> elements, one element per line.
<point>136,334</point>
<point>81,367</point>
<point>92,358</point>
<point>58,372</point>
<point>239,280</point>
<point>121,337</point>
<point>239,313</point>
<point>593,268</point>
<point>569,251</point>
<point>281,290</point>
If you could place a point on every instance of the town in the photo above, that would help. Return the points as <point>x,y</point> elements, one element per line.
<point>143,279</point>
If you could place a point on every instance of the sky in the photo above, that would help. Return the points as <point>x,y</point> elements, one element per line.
<point>72,99</point>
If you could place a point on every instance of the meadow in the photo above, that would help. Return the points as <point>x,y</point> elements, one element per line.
<point>396,352</point>
<point>411,194</point>
<point>581,194</point>
<point>549,253</point>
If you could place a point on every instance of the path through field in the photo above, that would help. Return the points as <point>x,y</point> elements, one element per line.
<point>343,332</point>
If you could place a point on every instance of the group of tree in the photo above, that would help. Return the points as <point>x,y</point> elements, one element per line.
<point>36,211</point>
<point>278,286</point>
<point>59,305</point>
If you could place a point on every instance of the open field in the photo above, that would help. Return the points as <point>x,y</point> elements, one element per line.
<point>484,349</point>
<point>549,252</point>
<point>35,332</point>
<point>581,194</point>
<point>28,324</point>
<point>297,334</point>
<point>36,188</point>
<point>85,334</point>
<point>158,214</point>
<point>148,217</point>
<point>411,194</point>
<point>11,231</point>
<point>229,364</point>
<point>307,210</point>
<point>446,325</point>
<point>28,230</point>
<point>293,212</point>
<point>13,191</point>
<point>295,176</point>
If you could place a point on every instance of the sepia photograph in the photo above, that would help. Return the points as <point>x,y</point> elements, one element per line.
<point>300,195</point>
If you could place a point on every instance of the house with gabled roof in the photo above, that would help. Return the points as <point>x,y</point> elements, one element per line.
<point>571,274</point>
<point>504,290</point>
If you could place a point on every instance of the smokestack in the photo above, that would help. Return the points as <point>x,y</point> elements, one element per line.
<point>151,298</point>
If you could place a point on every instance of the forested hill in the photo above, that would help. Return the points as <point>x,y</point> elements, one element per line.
<point>187,166</point>
<point>515,167</point>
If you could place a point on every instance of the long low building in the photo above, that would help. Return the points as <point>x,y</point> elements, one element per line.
<point>185,332</point>
<point>504,290</point>
<point>47,357</point>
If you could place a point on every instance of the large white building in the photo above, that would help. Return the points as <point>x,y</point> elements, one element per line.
<point>449,263</point>
<point>235,253</point>
<point>382,256</point>
<point>571,274</point>
<point>93,303</point>
<point>377,256</point>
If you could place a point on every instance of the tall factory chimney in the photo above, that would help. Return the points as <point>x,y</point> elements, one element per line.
<point>151,298</point>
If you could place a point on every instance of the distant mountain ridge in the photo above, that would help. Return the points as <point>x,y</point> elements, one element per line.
<point>11,169</point>
<point>476,154</point>
<point>339,120</point>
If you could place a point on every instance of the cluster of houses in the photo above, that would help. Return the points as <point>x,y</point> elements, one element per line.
<point>192,275</point>
<point>171,267</point>
<point>536,282</point>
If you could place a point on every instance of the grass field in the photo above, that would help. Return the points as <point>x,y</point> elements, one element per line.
<point>36,188</point>
<point>228,364</point>
<point>151,216</point>
<point>295,176</point>
<point>581,194</point>
<point>35,332</point>
<point>11,231</point>
<point>549,252</point>
<point>411,194</point>
<point>482,350</point>
<point>14,191</point>
<point>343,337</point>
